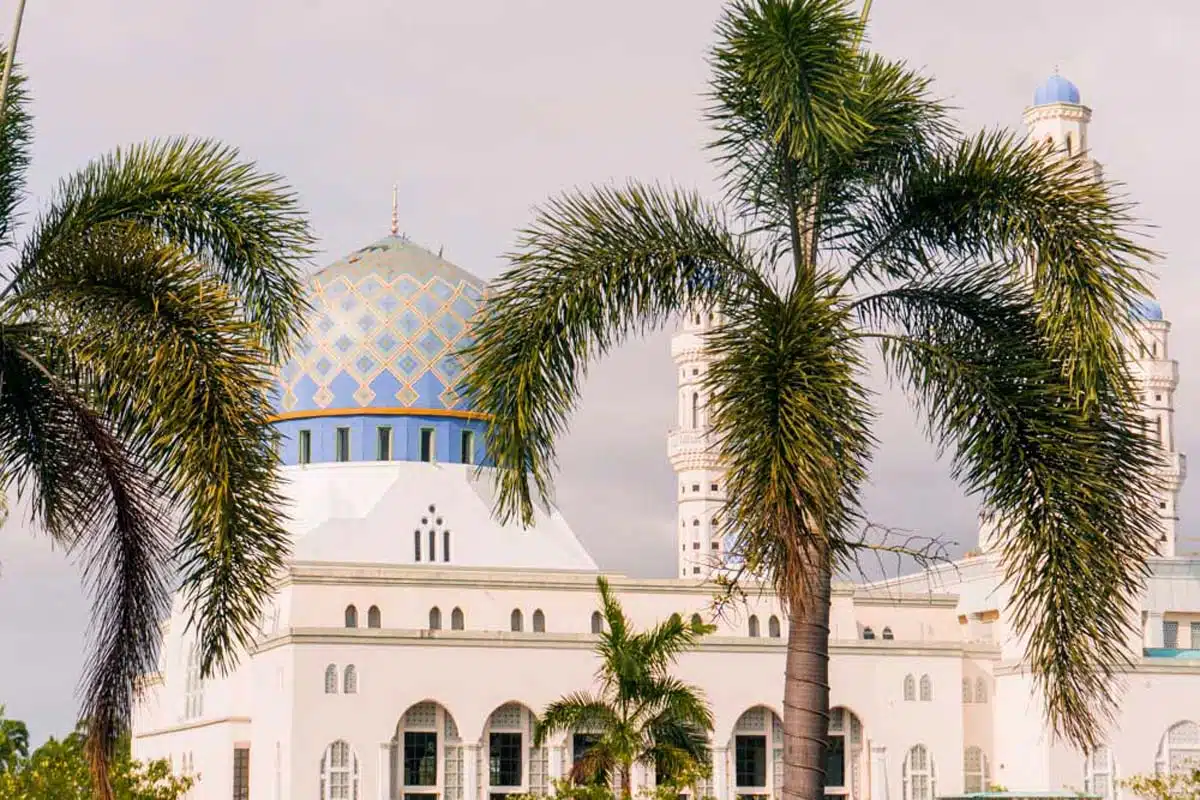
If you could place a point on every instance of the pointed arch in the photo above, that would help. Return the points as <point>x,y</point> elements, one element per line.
<point>868,632</point>
<point>457,621</point>
<point>539,621</point>
<point>695,410</point>
<point>918,774</point>
<point>926,689</point>
<point>373,617</point>
<point>1179,749</point>
<point>1100,776</point>
<point>331,679</point>
<point>976,775</point>
<point>350,680</point>
<point>339,772</point>
<point>910,688</point>
<point>516,621</point>
<point>351,616</point>
<point>888,635</point>
<point>515,766</point>
<point>981,690</point>
<point>753,626</point>
<point>597,622</point>
<point>773,627</point>
<point>435,619</point>
<point>967,695</point>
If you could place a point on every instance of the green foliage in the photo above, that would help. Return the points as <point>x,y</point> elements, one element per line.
<point>641,714</point>
<point>994,276</point>
<point>1171,786</point>
<point>14,742</point>
<point>62,770</point>
<point>138,329</point>
<point>567,790</point>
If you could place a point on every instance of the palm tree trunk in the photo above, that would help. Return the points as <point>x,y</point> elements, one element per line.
<point>806,684</point>
<point>627,782</point>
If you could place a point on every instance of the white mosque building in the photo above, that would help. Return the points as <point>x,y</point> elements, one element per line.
<point>413,637</point>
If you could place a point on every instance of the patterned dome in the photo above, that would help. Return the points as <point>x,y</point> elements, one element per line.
<point>387,321</point>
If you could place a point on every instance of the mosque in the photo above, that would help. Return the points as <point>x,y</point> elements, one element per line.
<point>413,637</point>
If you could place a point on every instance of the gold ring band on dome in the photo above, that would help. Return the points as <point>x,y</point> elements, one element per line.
<point>378,412</point>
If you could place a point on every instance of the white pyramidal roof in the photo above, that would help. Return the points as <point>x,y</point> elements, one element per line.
<point>369,513</point>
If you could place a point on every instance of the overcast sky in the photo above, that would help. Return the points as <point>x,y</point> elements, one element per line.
<point>480,109</point>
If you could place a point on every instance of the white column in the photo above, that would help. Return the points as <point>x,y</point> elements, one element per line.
<point>720,756</point>
<point>879,783</point>
<point>385,769</point>
<point>1154,629</point>
<point>471,776</point>
<point>554,770</point>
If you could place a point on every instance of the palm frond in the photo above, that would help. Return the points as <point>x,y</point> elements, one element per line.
<point>245,225</point>
<point>578,711</point>
<point>96,495</point>
<point>791,419</point>
<point>16,146</point>
<point>1070,490</point>
<point>663,643</point>
<point>593,268</point>
<point>165,349</point>
<point>996,199</point>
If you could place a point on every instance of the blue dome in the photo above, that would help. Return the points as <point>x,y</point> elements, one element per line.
<point>1056,89</point>
<point>387,321</point>
<point>1147,309</point>
<point>376,375</point>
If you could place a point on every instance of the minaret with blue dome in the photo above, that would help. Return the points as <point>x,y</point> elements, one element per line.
<point>376,376</point>
<point>1059,118</point>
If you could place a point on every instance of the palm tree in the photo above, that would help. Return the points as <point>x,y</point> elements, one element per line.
<point>137,329</point>
<point>994,276</point>
<point>641,714</point>
<point>14,741</point>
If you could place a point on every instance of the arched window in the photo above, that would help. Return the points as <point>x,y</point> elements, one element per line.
<point>887,634</point>
<point>910,688</point>
<point>539,621</point>
<point>968,696</point>
<point>1100,773</point>
<point>773,627</point>
<point>331,679</point>
<point>435,619</point>
<point>350,680</point>
<point>981,690</point>
<point>517,621</point>
<point>975,771</point>
<point>868,633</point>
<point>920,779</point>
<point>926,688</point>
<point>373,618</point>
<point>351,616</point>
<point>1179,751</point>
<point>339,773</point>
<point>695,410</point>
<point>753,625</point>
<point>597,622</point>
<point>457,622</point>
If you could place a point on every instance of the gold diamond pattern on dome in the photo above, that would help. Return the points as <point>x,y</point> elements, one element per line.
<point>373,340</point>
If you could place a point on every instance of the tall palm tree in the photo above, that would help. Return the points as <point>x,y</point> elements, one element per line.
<point>641,714</point>
<point>139,320</point>
<point>994,276</point>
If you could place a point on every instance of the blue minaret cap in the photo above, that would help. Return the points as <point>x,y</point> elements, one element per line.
<point>1056,89</point>
<point>1147,309</point>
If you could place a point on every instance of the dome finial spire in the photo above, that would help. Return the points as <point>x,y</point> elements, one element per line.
<point>395,209</point>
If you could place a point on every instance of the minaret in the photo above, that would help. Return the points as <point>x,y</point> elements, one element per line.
<point>701,482</point>
<point>1157,376</point>
<point>1057,116</point>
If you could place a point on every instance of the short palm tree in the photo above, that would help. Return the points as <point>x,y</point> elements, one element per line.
<point>994,276</point>
<point>137,328</point>
<point>641,713</point>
